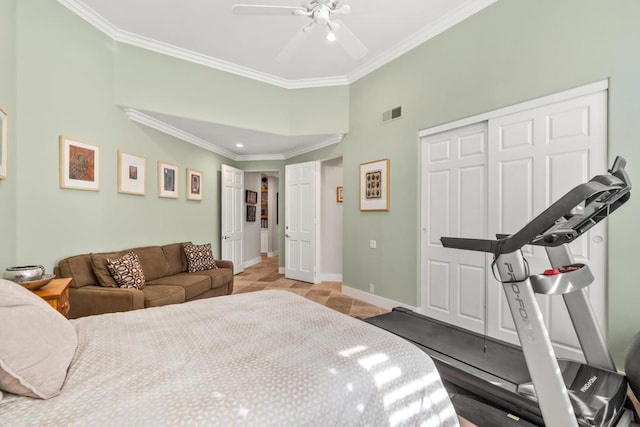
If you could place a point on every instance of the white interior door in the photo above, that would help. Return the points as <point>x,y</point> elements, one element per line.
<point>232,233</point>
<point>537,156</point>
<point>454,197</point>
<point>302,222</point>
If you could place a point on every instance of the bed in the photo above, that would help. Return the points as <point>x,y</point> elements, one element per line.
<point>261,358</point>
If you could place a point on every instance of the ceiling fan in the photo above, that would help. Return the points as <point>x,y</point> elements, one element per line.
<point>321,13</point>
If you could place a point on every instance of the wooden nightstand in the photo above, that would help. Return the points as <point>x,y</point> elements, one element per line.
<point>56,293</point>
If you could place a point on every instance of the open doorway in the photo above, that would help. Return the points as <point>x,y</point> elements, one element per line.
<point>261,225</point>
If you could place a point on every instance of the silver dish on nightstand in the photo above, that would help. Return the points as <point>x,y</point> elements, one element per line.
<point>24,273</point>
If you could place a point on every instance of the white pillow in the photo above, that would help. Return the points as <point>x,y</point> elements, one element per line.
<point>38,343</point>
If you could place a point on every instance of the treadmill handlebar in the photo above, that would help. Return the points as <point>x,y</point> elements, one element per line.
<point>565,220</point>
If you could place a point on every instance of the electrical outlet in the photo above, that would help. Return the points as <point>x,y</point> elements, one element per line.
<point>372,288</point>
<point>372,244</point>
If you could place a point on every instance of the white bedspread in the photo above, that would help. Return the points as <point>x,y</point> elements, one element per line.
<point>268,358</point>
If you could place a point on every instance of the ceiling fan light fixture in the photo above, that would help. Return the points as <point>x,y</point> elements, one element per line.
<point>331,36</point>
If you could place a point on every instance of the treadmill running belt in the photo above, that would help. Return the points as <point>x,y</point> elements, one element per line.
<point>501,360</point>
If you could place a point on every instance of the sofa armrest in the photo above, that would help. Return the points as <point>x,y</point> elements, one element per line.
<point>223,263</point>
<point>91,299</point>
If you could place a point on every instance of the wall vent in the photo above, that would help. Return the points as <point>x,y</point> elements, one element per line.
<point>394,113</point>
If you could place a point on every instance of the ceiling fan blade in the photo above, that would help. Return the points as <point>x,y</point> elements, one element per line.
<point>342,10</point>
<point>257,9</point>
<point>294,44</point>
<point>352,44</point>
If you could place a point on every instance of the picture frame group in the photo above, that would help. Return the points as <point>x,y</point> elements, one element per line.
<point>80,169</point>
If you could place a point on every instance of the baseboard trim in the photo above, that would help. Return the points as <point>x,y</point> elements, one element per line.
<point>272,254</point>
<point>251,262</point>
<point>374,299</point>
<point>281,270</point>
<point>331,277</point>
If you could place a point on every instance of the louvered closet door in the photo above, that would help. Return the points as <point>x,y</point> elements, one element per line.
<point>454,203</point>
<point>534,158</point>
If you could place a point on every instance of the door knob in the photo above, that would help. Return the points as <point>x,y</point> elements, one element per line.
<point>286,235</point>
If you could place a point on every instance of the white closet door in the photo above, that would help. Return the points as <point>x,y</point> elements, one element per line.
<point>454,197</point>
<point>535,157</point>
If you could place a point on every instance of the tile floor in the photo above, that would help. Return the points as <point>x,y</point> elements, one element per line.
<point>265,276</point>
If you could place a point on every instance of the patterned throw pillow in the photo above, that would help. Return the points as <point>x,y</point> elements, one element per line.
<point>199,257</point>
<point>127,271</point>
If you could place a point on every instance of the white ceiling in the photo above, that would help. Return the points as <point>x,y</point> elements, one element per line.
<point>207,32</point>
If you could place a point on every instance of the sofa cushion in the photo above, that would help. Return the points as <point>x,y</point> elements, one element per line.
<point>127,271</point>
<point>193,284</point>
<point>219,277</point>
<point>38,343</point>
<point>159,295</point>
<point>176,257</point>
<point>154,263</point>
<point>79,268</point>
<point>99,265</point>
<point>199,257</point>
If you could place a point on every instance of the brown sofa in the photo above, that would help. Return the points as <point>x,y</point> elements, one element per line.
<point>167,281</point>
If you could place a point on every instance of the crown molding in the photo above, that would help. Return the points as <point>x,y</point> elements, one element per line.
<point>144,119</point>
<point>440,26</point>
<point>333,139</point>
<point>159,125</point>
<point>121,36</point>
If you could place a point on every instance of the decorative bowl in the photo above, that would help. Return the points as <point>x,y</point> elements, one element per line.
<point>24,273</point>
<point>33,285</point>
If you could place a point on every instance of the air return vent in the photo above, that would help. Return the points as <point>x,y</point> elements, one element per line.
<point>394,113</point>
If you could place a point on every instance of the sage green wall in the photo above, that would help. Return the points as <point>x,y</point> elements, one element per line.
<point>65,85</point>
<point>8,104</point>
<point>512,51</point>
<point>150,81</point>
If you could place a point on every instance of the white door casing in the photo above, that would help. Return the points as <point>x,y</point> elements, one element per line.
<point>232,217</point>
<point>532,158</point>
<point>302,222</point>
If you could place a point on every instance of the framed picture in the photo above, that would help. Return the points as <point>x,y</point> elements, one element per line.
<point>251,197</point>
<point>132,172</point>
<point>167,180</point>
<point>374,185</point>
<point>339,198</point>
<point>4,142</point>
<point>79,164</point>
<point>251,213</point>
<point>194,185</point>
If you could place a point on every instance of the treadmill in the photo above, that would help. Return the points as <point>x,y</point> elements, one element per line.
<point>529,381</point>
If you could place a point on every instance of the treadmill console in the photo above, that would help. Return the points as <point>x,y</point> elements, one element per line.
<point>566,219</point>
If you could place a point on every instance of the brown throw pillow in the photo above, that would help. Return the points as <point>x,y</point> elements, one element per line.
<point>99,265</point>
<point>127,271</point>
<point>199,257</point>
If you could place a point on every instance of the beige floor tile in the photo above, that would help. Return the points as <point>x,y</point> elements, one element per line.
<point>265,276</point>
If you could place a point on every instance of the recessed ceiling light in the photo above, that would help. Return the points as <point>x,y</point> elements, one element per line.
<point>239,145</point>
